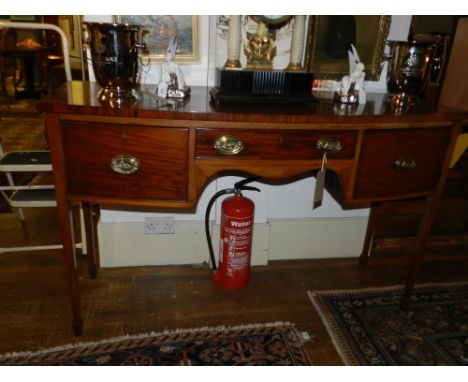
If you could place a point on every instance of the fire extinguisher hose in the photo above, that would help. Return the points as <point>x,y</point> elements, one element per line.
<point>238,187</point>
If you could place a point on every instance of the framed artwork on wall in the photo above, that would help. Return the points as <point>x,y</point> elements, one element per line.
<point>329,39</point>
<point>162,28</point>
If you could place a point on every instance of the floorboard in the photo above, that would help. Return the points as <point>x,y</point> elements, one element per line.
<point>34,309</point>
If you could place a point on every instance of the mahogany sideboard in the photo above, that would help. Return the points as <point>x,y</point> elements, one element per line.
<point>162,154</point>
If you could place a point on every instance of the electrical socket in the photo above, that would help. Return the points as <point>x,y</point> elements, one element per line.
<point>159,225</point>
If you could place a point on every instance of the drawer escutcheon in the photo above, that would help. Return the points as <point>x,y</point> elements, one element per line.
<point>125,164</point>
<point>228,145</point>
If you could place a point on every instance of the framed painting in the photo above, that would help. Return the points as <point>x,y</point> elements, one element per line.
<point>162,28</point>
<point>329,39</point>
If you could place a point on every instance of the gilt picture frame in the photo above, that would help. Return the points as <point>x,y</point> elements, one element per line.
<point>322,55</point>
<point>161,28</point>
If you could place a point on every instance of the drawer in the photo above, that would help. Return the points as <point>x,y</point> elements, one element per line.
<point>400,162</point>
<point>162,154</point>
<point>274,144</point>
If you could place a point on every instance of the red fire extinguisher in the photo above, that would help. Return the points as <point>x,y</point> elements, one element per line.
<point>237,218</point>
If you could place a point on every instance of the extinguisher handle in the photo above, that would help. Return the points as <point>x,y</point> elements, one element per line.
<point>241,185</point>
<point>248,188</point>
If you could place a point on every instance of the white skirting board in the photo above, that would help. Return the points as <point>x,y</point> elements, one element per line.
<point>125,244</point>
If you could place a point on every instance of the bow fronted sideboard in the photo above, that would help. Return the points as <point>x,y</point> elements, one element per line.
<point>162,154</point>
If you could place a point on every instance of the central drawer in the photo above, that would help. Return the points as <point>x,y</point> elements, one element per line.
<point>126,161</point>
<point>274,144</point>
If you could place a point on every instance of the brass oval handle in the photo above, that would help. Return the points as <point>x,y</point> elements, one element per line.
<point>228,145</point>
<point>125,164</point>
<point>329,145</point>
<point>405,164</point>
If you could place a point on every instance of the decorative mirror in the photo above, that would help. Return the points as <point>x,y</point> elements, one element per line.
<point>329,39</point>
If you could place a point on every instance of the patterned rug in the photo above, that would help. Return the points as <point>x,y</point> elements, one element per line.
<point>368,328</point>
<point>266,345</point>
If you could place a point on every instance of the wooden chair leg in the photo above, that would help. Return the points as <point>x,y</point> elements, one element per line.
<point>430,209</point>
<point>3,85</point>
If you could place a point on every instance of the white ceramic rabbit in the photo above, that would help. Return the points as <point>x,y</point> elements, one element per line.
<point>171,83</point>
<point>356,77</point>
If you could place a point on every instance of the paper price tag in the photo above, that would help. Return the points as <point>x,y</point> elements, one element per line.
<point>320,183</point>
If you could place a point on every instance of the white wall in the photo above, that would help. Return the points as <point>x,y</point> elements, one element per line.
<point>277,207</point>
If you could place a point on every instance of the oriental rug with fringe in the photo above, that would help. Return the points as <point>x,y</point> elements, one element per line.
<point>367,326</point>
<point>259,344</point>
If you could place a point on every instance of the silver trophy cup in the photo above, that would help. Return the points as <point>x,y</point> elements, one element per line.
<point>115,58</point>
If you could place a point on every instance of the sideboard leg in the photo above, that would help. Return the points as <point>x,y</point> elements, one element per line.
<point>65,218</point>
<point>91,240</point>
<point>66,229</point>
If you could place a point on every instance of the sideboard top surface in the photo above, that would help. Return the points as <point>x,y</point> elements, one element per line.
<point>78,97</point>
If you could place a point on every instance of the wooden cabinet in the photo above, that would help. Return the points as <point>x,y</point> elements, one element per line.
<point>397,222</point>
<point>455,84</point>
<point>163,157</point>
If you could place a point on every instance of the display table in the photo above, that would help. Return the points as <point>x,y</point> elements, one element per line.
<point>159,154</point>
<point>29,55</point>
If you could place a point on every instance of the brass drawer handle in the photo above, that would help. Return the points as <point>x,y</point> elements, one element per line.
<point>405,164</point>
<point>125,164</point>
<point>228,145</point>
<point>329,145</point>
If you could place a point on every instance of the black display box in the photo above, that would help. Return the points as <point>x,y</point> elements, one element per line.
<point>276,86</point>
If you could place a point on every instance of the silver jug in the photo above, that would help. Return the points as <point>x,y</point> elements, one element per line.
<point>408,68</point>
<point>114,54</point>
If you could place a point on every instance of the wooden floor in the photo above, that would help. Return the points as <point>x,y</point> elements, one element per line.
<point>35,314</point>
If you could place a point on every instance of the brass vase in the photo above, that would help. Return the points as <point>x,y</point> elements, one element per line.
<point>408,70</point>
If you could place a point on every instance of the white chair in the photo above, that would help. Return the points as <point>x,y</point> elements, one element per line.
<point>32,194</point>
